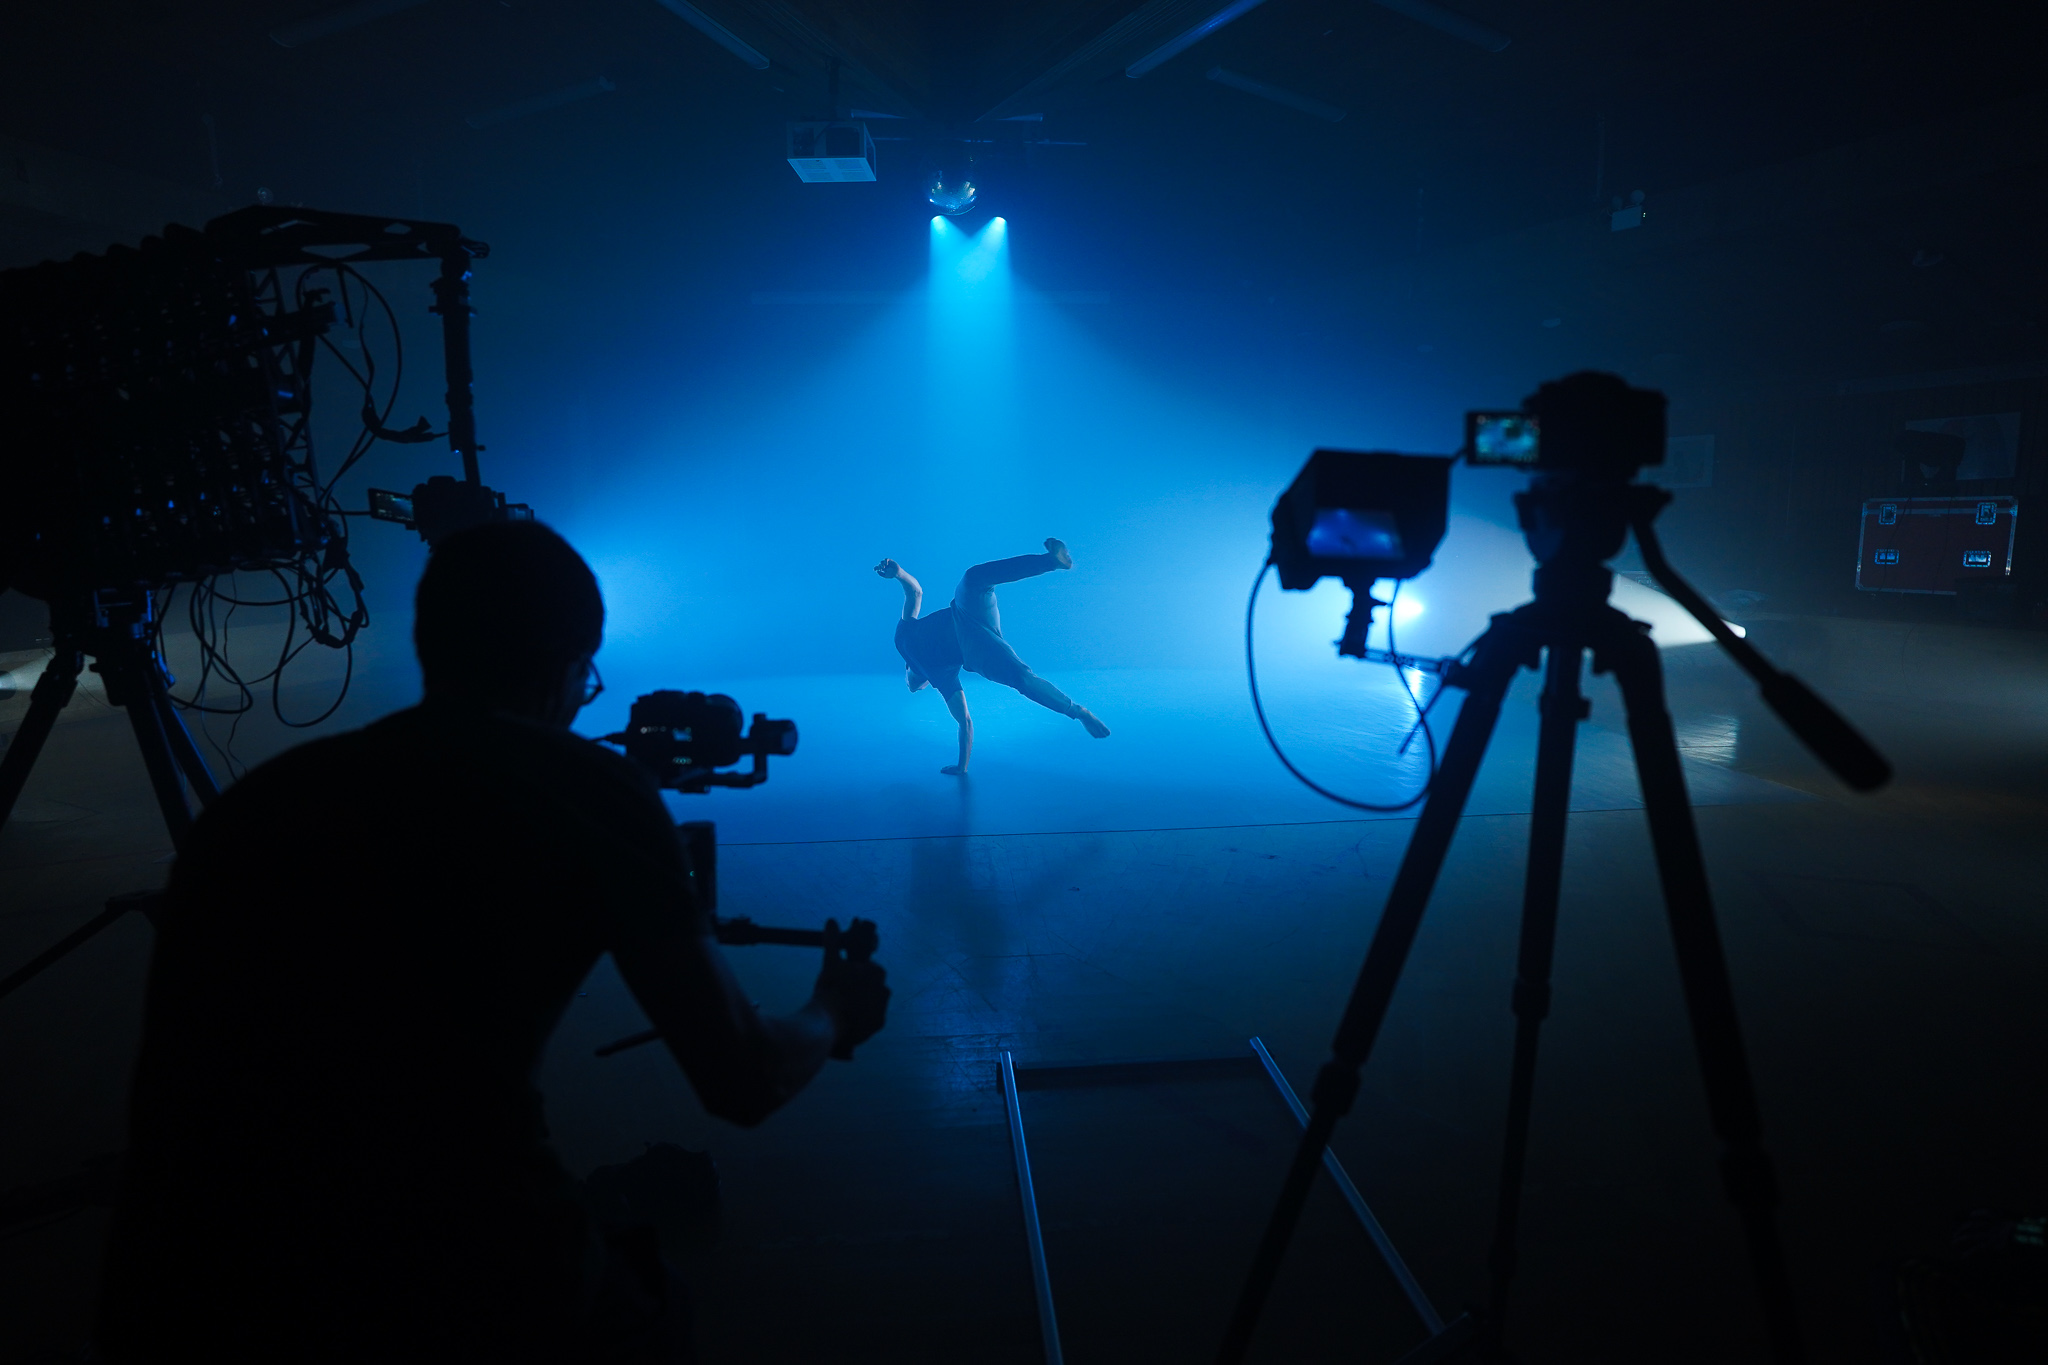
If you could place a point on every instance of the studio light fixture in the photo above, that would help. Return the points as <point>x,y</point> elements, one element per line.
<point>1360,516</point>
<point>951,195</point>
<point>952,183</point>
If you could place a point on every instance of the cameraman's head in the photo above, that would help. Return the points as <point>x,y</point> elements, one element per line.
<point>507,617</point>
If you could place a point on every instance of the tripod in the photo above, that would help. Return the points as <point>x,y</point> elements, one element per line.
<point>118,630</point>
<point>1573,525</point>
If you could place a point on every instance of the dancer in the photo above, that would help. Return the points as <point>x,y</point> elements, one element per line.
<point>969,634</point>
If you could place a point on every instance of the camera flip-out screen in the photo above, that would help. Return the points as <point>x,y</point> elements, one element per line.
<point>1502,438</point>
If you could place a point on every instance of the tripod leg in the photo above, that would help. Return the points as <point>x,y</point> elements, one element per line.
<point>196,772</point>
<point>1563,709</point>
<point>53,691</point>
<point>1703,970</point>
<point>156,756</point>
<point>57,951</point>
<point>1506,647</point>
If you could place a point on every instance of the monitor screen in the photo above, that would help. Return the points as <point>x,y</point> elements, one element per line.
<point>1354,533</point>
<point>1501,438</point>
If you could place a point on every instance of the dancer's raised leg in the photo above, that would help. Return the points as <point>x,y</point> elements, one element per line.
<point>975,597</point>
<point>980,631</point>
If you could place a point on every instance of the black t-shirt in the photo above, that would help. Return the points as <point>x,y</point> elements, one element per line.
<point>932,649</point>
<point>336,1144</point>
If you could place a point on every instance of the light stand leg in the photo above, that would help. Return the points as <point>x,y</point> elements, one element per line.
<point>1507,646</point>
<point>187,753</point>
<point>145,901</point>
<point>1562,710</point>
<point>53,691</point>
<point>133,684</point>
<point>451,302</point>
<point>163,769</point>
<point>1703,971</point>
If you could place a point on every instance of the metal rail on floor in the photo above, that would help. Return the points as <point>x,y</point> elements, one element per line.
<point>1048,1320</point>
<point>1443,1338</point>
<point>1360,1210</point>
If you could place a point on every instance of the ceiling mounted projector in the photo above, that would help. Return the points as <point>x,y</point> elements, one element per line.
<point>826,153</point>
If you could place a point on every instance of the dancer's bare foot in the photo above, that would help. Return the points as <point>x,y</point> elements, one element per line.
<point>1090,723</point>
<point>1058,550</point>
<point>954,770</point>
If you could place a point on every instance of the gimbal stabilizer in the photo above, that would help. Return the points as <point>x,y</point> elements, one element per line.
<point>682,738</point>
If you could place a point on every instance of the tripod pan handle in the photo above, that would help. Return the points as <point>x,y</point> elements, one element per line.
<point>1821,728</point>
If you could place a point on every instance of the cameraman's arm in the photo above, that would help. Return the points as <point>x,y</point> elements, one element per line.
<point>744,1065</point>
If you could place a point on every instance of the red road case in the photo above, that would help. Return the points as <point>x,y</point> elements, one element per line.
<point>1934,545</point>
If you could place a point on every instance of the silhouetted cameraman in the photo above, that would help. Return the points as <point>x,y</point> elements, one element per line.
<point>337,1152</point>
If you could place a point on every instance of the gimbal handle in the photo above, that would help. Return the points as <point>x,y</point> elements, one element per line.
<point>859,940</point>
<point>1819,726</point>
<point>697,781</point>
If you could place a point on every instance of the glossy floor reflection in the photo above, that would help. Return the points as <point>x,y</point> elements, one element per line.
<point>1185,753</point>
<point>1169,893</point>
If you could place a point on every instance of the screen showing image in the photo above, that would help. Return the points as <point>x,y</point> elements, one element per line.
<point>1501,438</point>
<point>387,506</point>
<point>1349,533</point>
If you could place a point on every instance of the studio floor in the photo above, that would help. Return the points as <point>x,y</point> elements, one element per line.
<point>1170,893</point>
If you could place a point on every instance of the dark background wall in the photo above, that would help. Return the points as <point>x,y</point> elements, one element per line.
<point>1842,202</point>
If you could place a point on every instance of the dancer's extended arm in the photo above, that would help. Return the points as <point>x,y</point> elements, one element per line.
<point>913,591</point>
<point>957,704</point>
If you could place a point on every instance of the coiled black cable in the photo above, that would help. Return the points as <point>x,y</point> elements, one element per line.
<point>1258,708</point>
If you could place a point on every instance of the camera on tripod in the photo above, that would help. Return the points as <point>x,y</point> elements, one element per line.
<point>1364,516</point>
<point>681,739</point>
<point>1592,425</point>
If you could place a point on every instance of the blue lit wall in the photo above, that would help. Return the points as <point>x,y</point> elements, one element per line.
<point>733,460</point>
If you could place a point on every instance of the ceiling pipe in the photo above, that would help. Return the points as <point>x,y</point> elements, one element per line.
<point>1447,21</point>
<point>337,21</point>
<point>715,31</point>
<point>554,99</point>
<point>1173,47</point>
<point>1314,108</point>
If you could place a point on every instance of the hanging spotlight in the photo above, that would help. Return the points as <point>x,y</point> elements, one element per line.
<point>951,192</point>
<point>952,179</point>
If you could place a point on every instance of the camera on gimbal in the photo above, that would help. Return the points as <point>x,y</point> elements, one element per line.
<point>682,738</point>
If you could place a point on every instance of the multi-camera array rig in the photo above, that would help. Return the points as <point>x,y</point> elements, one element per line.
<point>161,399</point>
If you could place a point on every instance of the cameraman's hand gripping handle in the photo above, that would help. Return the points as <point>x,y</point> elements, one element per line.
<point>861,1002</point>
<point>1819,726</point>
<point>849,949</point>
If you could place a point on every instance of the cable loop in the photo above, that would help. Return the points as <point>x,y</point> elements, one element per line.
<point>1421,711</point>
